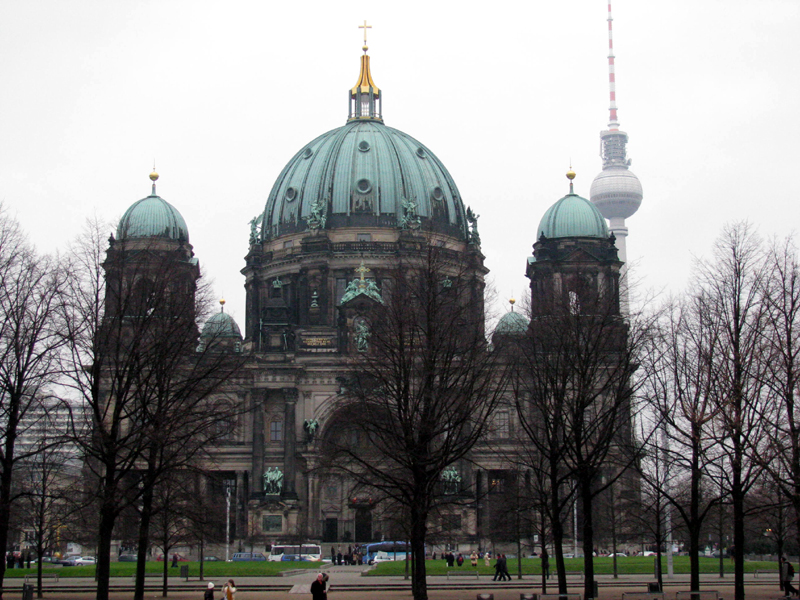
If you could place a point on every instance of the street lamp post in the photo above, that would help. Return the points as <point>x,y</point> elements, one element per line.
<point>227,520</point>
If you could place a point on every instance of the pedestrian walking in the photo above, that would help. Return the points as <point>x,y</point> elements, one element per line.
<point>209,595</point>
<point>545,564</point>
<point>787,575</point>
<point>319,587</point>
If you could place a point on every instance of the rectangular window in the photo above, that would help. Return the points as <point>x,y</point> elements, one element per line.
<point>272,523</point>
<point>276,431</point>
<point>502,428</point>
<point>363,237</point>
<point>288,243</point>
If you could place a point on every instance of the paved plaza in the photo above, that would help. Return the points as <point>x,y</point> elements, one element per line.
<point>348,584</point>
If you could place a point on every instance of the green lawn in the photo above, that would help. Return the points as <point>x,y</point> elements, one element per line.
<point>530,566</point>
<point>211,570</point>
<point>602,565</point>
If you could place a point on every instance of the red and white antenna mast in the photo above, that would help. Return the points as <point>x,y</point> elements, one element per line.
<point>613,123</point>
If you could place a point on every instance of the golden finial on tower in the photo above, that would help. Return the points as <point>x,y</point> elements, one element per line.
<point>154,178</point>
<point>365,27</point>
<point>222,305</point>
<point>511,301</point>
<point>570,176</point>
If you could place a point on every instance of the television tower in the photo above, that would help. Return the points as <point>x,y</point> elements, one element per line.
<point>616,191</point>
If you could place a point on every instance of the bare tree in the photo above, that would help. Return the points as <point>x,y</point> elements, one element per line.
<point>46,480</point>
<point>782,376</point>
<point>30,291</point>
<point>678,420</point>
<point>730,294</point>
<point>422,387</point>
<point>153,392</point>
<point>575,374</point>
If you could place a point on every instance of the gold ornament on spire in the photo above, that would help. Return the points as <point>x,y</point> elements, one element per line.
<point>571,176</point>
<point>365,96</point>
<point>511,301</point>
<point>222,305</point>
<point>365,27</point>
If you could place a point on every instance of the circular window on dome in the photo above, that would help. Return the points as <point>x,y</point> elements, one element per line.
<point>421,152</point>
<point>363,186</point>
<point>307,153</point>
<point>291,194</point>
<point>437,194</point>
<point>363,145</point>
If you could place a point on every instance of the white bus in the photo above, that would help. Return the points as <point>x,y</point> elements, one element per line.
<point>308,552</point>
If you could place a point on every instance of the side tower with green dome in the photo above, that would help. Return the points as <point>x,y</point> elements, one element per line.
<point>574,258</point>
<point>342,215</point>
<point>150,264</point>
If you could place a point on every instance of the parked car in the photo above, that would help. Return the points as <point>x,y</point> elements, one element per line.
<point>648,553</point>
<point>211,559</point>
<point>618,555</point>
<point>127,558</point>
<point>85,560</point>
<point>241,556</point>
<point>68,561</point>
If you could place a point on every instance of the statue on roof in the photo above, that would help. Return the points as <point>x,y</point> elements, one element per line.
<point>319,214</point>
<point>472,218</point>
<point>255,229</point>
<point>410,218</point>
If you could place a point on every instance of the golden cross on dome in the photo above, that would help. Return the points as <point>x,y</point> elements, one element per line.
<point>362,270</point>
<point>365,27</point>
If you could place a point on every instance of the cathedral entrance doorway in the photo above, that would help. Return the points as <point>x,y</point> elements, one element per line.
<point>330,531</point>
<point>363,525</point>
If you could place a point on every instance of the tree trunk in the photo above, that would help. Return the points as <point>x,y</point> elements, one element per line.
<point>5,482</point>
<point>107,518</point>
<point>737,496</point>
<point>558,530</point>
<point>419,583</point>
<point>144,542</point>
<point>588,536</point>
<point>694,513</point>
<point>165,580</point>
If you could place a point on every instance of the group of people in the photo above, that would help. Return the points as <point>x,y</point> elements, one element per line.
<point>19,561</point>
<point>501,569</point>
<point>228,591</point>
<point>353,557</point>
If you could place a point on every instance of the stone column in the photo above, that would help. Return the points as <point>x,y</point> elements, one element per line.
<point>257,468</point>
<point>289,444</point>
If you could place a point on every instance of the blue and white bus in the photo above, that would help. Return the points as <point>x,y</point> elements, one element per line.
<point>307,552</point>
<point>388,551</point>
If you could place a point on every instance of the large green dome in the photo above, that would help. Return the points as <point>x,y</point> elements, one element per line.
<point>360,175</point>
<point>573,216</point>
<point>152,217</point>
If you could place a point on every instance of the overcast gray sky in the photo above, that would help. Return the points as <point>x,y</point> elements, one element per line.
<point>505,93</point>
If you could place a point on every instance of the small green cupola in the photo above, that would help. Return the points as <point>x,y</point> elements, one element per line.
<point>365,96</point>
<point>572,216</point>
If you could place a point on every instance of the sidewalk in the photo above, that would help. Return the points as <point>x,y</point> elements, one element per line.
<point>348,584</point>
